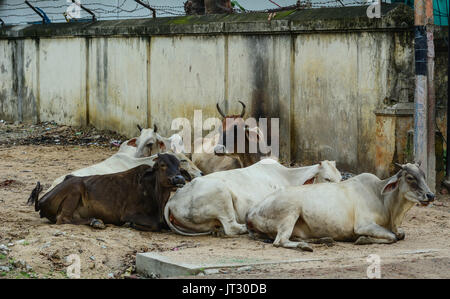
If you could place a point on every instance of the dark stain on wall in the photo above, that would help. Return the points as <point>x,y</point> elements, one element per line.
<point>265,80</point>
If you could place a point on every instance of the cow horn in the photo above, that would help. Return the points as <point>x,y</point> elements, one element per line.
<point>400,166</point>
<point>243,109</point>
<point>220,111</point>
<point>419,163</point>
<point>139,127</point>
<point>155,128</point>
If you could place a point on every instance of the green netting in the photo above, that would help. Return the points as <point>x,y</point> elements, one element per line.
<point>441,10</point>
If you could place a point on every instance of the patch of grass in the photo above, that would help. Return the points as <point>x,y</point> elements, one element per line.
<point>64,273</point>
<point>2,256</point>
<point>26,243</point>
<point>25,274</point>
<point>2,274</point>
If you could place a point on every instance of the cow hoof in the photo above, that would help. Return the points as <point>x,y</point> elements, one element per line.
<point>218,233</point>
<point>305,247</point>
<point>97,223</point>
<point>363,240</point>
<point>327,241</point>
<point>400,236</point>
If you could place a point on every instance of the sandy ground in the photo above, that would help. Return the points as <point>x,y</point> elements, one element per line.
<point>36,248</point>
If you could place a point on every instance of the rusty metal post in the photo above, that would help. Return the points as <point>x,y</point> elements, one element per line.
<point>424,96</point>
<point>447,155</point>
<point>421,90</point>
<point>147,6</point>
<point>431,101</point>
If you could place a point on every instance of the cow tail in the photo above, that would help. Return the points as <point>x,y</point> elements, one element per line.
<point>175,229</point>
<point>34,196</point>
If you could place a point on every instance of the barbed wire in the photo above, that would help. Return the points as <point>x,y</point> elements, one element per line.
<point>126,9</point>
<point>54,9</point>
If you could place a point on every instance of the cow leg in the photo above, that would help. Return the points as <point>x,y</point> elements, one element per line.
<point>326,240</point>
<point>144,223</point>
<point>374,234</point>
<point>93,222</point>
<point>67,208</point>
<point>231,227</point>
<point>284,234</point>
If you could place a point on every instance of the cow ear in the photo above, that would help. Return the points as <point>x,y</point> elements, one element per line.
<point>161,145</point>
<point>132,142</point>
<point>185,174</point>
<point>391,185</point>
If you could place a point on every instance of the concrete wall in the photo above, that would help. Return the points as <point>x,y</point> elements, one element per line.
<point>324,73</point>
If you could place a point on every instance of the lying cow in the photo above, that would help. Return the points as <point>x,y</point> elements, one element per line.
<point>222,199</point>
<point>120,162</point>
<point>364,209</point>
<point>136,196</point>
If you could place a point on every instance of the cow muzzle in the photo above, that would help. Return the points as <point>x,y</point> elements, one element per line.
<point>428,198</point>
<point>177,180</point>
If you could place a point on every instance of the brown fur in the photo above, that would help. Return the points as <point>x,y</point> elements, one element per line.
<point>136,196</point>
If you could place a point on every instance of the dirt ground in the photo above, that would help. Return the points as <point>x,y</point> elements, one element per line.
<point>32,247</point>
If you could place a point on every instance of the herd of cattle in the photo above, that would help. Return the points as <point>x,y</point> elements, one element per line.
<point>151,184</point>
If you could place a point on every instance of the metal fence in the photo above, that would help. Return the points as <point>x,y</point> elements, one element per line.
<point>18,12</point>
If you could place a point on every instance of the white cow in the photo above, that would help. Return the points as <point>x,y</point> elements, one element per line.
<point>364,209</point>
<point>222,199</point>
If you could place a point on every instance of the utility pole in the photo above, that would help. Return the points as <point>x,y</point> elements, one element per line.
<point>431,103</point>
<point>447,156</point>
<point>424,100</point>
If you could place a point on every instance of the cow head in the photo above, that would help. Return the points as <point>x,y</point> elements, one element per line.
<point>168,172</point>
<point>148,143</point>
<point>410,184</point>
<point>328,173</point>
<point>187,168</point>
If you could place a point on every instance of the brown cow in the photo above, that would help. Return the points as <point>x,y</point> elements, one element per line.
<point>235,125</point>
<point>220,160</point>
<point>136,196</point>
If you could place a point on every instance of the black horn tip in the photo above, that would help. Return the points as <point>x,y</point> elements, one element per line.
<point>400,166</point>
<point>155,128</point>
<point>139,127</point>
<point>243,109</point>
<point>220,111</point>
